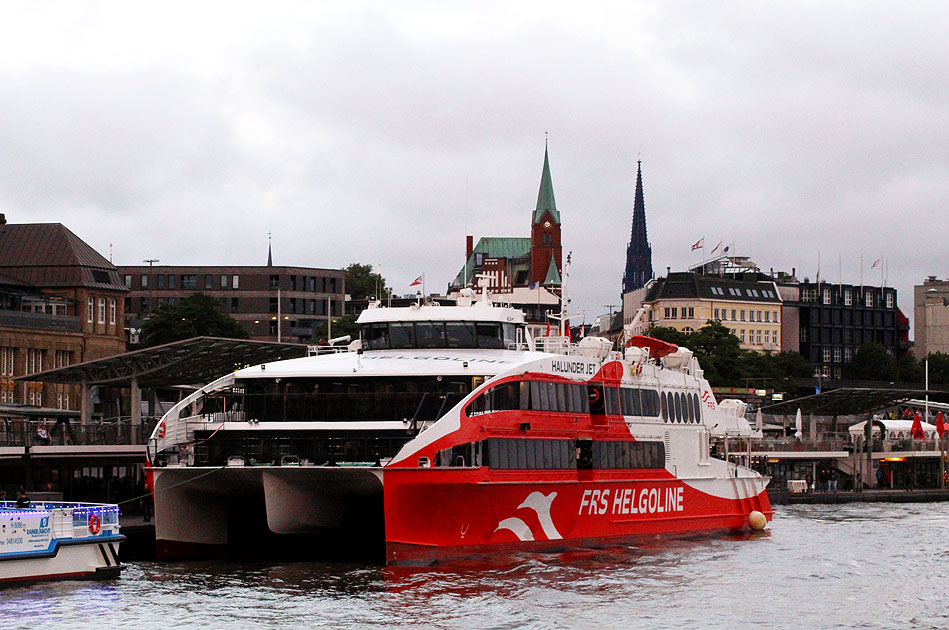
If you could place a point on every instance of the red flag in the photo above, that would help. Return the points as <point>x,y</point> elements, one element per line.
<point>940,426</point>
<point>917,430</point>
<point>417,280</point>
<point>548,329</point>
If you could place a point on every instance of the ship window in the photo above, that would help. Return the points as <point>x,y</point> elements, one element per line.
<point>612,400</point>
<point>401,335</point>
<point>489,335</point>
<point>460,335</point>
<point>529,454</point>
<point>687,407</point>
<point>622,455</point>
<point>430,334</point>
<point>376,336</point>
<point>698,408</point>
<point>677,401</point>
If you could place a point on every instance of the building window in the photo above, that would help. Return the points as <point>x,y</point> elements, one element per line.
<point>868,298</point>
<point>188,282</point>
<point>144,280</point>
<point>101,310</point>
<point>293,305</point>
<point>273,328</point>
<point>224,281</point>
<point>848,354</point>
<point>90,309</point>
<point>161,281</point>
<point>6,362</point>
<point>273,305</point>
<point>826,355</point>
<point>827,296</point>
<point>313,284</point>
<point>172,301</point>
<point>128,281</point>
<point>742,315</point>
<point>312,306</point>
<point>758,337</point>
<point>223,303</point>
<point>675,312</point>
<point>235,303</point>
<point>716,311</point>
<point>848,297</point>
<point>143,304</point>
<point>208,281</point>
<point>691,312</point>
<point>825,371</point>
<point>235,284</point>
<point>733,315</point>
<point>293,282</point>
<point>742,335</point>
<point>666,312</point>
<point>837,354</point>
<point>889,300</point>
<point>804,335</point>
<point>171,281</point>
<point>274,282</point>
<point>688,330</point>
<point>111,310</point>
<point>767,316</point>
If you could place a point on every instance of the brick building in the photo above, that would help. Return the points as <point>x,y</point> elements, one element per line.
<point>269,302</point>
<point>61,303</point>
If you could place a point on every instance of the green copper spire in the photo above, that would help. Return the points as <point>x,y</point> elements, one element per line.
<point>545,197</point>
<point>553,276</point>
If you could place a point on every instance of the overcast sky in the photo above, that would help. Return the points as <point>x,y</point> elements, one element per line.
<point>381,132</point>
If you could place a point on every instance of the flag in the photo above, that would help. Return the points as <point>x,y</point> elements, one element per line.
<point>548,329</point>
<point>940,425</point>
<point>417,280</point>
<point>532,285</point>
<point>699,244</point>
<point>729,247</point>
<point>917,430</point>
<point>875,263</point>
<point>715,249</point>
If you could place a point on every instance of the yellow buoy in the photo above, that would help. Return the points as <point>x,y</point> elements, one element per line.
<point>757,521</point>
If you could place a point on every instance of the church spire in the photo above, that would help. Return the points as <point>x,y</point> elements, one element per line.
<point>638,252</point>
<point>545,196</point>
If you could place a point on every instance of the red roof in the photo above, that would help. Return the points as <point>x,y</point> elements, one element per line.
<point>48,255</point>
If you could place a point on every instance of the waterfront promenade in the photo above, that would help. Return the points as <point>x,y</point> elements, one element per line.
<point>919,495</point>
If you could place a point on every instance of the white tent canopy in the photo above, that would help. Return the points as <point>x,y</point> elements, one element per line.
<point>895,429</point>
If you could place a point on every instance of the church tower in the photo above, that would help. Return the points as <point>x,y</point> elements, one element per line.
<point>545,253</point>
<point>638,252</point>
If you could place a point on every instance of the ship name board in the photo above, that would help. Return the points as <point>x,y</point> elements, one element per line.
<point>562,366</point>
<point>431,358</point>
<point>631,501</point>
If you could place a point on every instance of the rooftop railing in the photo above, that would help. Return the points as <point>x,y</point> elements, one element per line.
<point>40,321</point>
<point>108,432</point>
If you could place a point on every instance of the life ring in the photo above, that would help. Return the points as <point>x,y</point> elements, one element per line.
<point>593,394</point>
<point>95,524</point>
<point>161,429</point>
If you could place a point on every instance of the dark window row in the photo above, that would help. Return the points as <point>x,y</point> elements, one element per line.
<point>679,407</point>
<point>530,454</point>
<point>552,454</point>
<point>630,401</point>
<point>533,396</point>
<point>629,455</point>
<point>404,335</point>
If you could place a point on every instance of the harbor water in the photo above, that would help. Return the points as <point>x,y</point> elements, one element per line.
<point>880,565</point>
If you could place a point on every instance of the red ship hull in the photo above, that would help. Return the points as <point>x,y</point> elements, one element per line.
<point>433,514</point>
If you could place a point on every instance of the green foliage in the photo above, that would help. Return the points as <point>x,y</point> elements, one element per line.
<point>938,368</point>
<point>726,364</point>
<point>340,328</point>
<point>361,282</point>
<point>909,370</point>
<point>871,363</point>
<point>195,316</point>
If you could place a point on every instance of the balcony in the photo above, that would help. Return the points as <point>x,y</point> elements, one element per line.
<point>40,321</point>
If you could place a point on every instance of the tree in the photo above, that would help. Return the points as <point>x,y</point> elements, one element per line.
<point>717,349</point>
<point>910,370</point>
<point>938,368</point>
<point>361,282</point>
<point>195,316</point>
<point>341,327</point>
<point>871,363</point>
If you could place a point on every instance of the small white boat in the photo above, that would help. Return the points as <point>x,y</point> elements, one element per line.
<point>50,540</point>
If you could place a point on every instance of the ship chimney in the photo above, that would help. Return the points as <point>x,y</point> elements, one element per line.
<point>469,246</point>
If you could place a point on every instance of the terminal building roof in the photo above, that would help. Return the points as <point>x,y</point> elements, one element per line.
<point>851,400</point>
<point>195,361</point>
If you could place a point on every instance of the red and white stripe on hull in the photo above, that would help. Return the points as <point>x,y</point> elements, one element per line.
<point>432,514</point>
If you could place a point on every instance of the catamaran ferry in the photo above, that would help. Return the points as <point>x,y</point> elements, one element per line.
<point>46,540</point>
<point>447,431</point>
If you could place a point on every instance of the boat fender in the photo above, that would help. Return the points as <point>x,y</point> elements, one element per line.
<point>757,521</point>
<point>95,524</point>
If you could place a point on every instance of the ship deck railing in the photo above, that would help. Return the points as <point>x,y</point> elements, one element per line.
<point>67,519</point>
